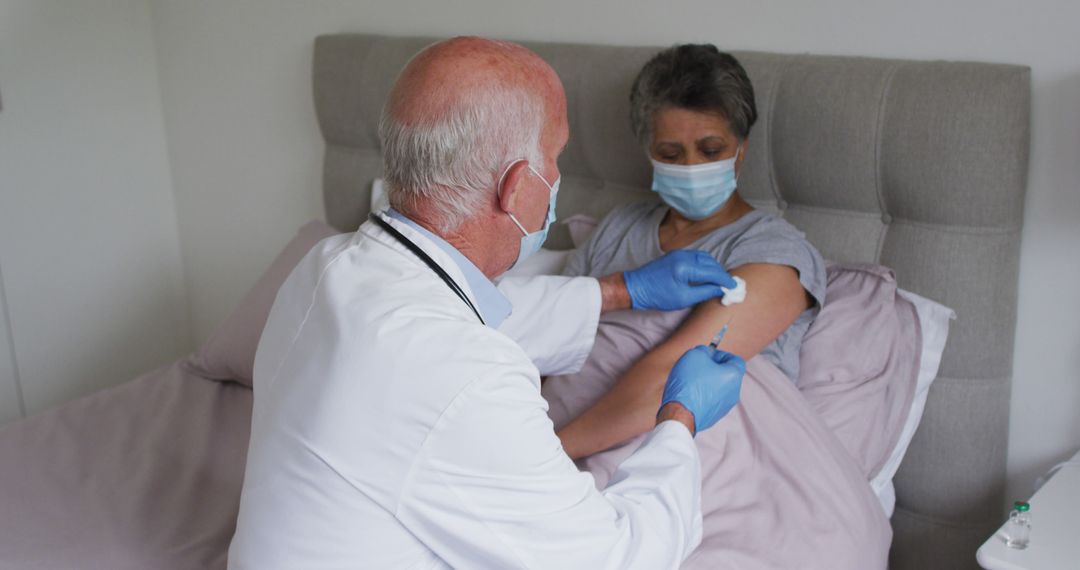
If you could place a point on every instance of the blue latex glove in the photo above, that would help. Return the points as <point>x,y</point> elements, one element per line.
<point>706,382</point>
<point>680,279</point>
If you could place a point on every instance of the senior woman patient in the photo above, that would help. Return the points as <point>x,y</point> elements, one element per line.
<point>692,109</point>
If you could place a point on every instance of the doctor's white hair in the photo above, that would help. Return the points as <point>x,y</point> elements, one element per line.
<point>453,161</point>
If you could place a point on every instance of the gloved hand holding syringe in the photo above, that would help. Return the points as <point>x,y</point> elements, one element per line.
<point>706,380</point>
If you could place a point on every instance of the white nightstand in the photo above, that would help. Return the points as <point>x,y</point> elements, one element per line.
<point>1055,529</point>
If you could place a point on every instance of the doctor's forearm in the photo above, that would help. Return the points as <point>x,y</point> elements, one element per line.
<point>677,412</point>
<point>613,293</point>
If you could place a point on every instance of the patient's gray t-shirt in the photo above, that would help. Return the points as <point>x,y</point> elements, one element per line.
<point>629,238</point>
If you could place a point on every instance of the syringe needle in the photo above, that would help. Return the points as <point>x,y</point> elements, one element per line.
<point>720,335</point>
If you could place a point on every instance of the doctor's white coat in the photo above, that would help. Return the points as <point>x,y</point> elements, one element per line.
<point>392,430</point>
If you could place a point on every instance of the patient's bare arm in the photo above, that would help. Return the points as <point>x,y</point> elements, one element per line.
<point>775,299</point>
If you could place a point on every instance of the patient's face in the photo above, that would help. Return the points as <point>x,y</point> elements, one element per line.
<point>686,137</point>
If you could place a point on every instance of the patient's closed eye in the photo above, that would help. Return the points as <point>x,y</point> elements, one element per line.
<point>668,152</point>
<point>713,147</point>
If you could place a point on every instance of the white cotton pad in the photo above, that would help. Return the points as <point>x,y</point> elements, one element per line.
<point>736,295</point>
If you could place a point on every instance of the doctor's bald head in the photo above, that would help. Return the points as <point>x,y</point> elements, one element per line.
<point>461,111</point>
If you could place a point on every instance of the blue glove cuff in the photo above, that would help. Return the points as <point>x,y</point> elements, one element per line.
<point>633,287</point>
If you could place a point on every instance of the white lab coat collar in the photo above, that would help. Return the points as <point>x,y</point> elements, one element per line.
<point>493,306</point>
<point>373,231</point>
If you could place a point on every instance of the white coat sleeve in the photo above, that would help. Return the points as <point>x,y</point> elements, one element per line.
<point>554,319</point>
<point>492,488</point>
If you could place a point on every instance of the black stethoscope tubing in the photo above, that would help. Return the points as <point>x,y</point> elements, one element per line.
<point>430,263</point>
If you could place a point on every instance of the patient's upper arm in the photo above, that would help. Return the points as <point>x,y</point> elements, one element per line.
<point>775,298</point>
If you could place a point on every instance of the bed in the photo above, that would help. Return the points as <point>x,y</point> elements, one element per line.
<point>918,166</point>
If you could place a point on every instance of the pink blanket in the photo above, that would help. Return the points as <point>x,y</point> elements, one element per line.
<point>143,475</point>
<point>779,488</point>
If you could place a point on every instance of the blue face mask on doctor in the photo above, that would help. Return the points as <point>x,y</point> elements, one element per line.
<point>531,242</point>
<point>696,191</point>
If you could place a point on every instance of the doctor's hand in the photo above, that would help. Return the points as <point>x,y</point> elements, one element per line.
<point>706,382</point>
<point>680,279</point>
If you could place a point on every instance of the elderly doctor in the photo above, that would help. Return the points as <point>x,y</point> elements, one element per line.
<point>398,421</point>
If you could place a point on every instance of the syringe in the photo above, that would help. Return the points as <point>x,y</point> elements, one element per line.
<point>720,335</point>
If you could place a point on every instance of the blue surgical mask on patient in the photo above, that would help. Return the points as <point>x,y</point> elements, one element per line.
<point>531,242</point>
<point>696,191</point>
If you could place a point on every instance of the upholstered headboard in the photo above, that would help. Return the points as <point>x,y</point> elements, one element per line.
<point>920,166</point>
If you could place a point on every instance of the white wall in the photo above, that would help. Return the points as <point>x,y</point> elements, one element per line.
<point>89,249</point>
<point>246,152</point>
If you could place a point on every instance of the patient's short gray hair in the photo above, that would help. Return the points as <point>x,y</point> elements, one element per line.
<point>696,77</point>
<point>453,160</point>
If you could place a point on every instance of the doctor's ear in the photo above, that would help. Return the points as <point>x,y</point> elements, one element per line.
<point>512,184</point>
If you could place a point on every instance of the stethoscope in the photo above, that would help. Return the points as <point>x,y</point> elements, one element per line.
<point>430,263</point>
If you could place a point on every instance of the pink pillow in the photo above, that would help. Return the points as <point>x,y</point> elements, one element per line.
<point>229,354</point>
<point>859,362</point>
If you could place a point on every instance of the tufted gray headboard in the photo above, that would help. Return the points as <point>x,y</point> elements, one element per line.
<point>920,166</point>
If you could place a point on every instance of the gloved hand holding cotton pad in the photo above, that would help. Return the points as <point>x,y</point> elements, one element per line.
<point>736,295</point>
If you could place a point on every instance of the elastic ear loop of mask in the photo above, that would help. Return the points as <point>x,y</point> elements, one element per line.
<point>498,192</point>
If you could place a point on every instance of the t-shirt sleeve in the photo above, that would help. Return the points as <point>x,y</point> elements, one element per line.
<point>778,242</point>
<point>582,260</point>
<point>577,263</point>
<point>598,252</point>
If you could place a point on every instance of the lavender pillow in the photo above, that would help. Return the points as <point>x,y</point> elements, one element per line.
<point>229,354</point>
<point>859,362</point>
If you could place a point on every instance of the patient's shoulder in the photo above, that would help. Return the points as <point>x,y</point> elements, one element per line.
<point>620,238</point>
<point>759,223</point>
<point>767,238</point>
<point>628,216</point>
<point>628,222</point>
<point>760,231</point>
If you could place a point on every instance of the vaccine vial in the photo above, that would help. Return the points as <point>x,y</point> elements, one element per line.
<point>1018,529</point>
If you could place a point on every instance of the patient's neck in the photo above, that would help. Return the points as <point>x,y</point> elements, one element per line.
<point>677,231</point>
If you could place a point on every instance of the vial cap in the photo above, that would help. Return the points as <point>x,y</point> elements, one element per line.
<point>1021,506</point>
